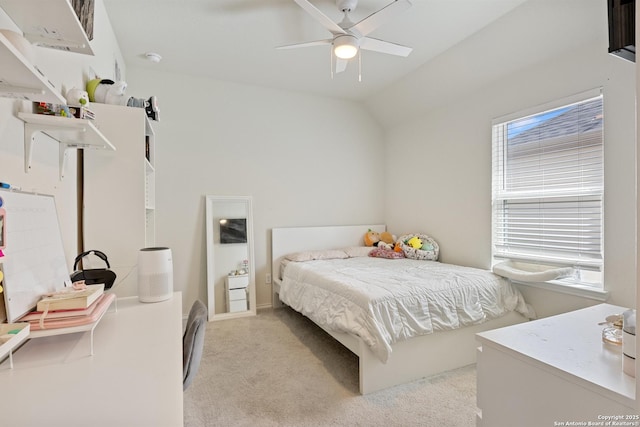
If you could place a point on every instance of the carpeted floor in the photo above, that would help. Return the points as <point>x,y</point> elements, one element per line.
<point>279,369</point>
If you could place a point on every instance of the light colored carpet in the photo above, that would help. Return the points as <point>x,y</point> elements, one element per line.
<point>279,369</point>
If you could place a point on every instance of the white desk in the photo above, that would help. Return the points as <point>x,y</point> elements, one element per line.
<point>553,370</point>
<point>134,377</point>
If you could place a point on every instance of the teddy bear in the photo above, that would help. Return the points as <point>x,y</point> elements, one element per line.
<point>107,91</point>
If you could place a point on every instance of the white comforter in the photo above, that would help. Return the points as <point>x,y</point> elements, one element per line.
<point>383,301</point>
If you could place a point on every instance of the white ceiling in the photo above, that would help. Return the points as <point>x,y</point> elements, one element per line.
<point>235,40</point>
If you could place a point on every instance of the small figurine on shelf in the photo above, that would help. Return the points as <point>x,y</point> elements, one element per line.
<point>77,98</point>
<point>108,91</point>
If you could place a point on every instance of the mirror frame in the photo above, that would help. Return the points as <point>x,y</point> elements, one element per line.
<point>211,268</point>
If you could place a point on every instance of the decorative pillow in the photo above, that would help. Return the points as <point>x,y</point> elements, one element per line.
<point>428,250</point>
<point>531,273</point>
<point>357,251</point>
<point>313,255</point>
<point>386,253</point>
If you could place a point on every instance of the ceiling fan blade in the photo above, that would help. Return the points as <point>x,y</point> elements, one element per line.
<point>373,21</point>
<point>307,44</point>
<point>368,43</point>
<point>320,17</point>
<point>341,65</point>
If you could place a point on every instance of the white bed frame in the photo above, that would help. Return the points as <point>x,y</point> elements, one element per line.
<point>411,359</point>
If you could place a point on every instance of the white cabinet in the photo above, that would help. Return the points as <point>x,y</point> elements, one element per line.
<point>119,191</point>
<point>237,293</point>
<point>552,371</point>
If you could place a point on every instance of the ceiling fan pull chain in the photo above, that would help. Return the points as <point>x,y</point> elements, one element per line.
<point>331,62</point>
<point>360,65</point>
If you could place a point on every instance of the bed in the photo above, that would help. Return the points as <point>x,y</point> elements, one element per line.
<point>324,273</point>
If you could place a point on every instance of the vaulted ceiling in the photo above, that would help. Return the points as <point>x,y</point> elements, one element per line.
<point>235,40</point>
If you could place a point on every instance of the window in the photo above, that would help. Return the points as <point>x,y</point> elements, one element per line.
<point>548,188</point>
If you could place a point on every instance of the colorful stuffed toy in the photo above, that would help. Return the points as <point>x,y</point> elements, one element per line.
<point>371,238</point>
<point>107,91</point>
<point>384,239</point>
<point>415,242</point>
<point>419,246</point>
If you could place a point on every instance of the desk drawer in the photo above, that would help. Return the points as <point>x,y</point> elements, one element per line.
<point>237,282</point>
<point>237,294</point>
<point>238,305</point>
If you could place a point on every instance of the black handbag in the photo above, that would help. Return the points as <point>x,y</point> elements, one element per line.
<point>94,276</point>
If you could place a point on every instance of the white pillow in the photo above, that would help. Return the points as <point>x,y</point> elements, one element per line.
<point>313,255</point>
<point>358,251</point>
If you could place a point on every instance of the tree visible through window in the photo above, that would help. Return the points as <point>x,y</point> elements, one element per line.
<point>548,188</point>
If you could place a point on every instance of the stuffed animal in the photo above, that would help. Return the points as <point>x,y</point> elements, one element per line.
<point>371,238</point>
<point>387,237</point>
<point>77,98</point>
<point>384,245</point>
<point>415,242</point>
<point>107,91</point>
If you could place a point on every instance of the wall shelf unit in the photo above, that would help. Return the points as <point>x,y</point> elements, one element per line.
<point>49,23</point>
<point>130,169</point>
<point>69,132</point>
<point>19,79</point>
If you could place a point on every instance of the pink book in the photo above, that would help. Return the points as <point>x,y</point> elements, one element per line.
<point>101,306</point>
<point>55,314</point>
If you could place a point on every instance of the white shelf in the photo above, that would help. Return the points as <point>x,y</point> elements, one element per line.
<point>49,23</point>
<point>20,79</point>
<point>89,327</point>
<point>15,341</point>
<point>71,133</point>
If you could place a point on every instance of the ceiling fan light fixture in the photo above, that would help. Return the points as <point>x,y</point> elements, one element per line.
<point>345,46</point>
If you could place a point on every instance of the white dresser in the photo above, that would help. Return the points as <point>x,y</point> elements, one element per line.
<point>553,371</point>
<point>237,293</point>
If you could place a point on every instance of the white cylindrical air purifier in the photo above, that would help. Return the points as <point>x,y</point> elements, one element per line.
<point>155,274</point>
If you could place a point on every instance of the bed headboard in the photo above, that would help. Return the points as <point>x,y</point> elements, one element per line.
<point>295,239</point>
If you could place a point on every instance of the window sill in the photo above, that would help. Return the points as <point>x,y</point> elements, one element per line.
<point>570,289</point>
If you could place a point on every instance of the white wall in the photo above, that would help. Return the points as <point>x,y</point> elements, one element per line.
<point>305,160</point>
<point>442,179</point>
<point>421,163</point>
<point>65,70</point>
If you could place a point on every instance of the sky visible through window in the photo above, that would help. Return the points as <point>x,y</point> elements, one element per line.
<point>516,127</point>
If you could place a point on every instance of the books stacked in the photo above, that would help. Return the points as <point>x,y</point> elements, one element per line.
<point>69,307</point>
<point>82,113</point>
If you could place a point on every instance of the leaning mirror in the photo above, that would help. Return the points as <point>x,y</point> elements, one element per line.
<point>230,267</point>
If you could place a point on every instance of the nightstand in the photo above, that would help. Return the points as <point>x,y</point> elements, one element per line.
<point>237,293</point>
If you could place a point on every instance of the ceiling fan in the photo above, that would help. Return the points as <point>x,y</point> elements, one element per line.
<point>348,38</point>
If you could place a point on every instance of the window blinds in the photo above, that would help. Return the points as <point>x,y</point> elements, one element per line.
<point>548,186</point>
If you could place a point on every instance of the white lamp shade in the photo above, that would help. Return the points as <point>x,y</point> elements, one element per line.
<point>345,46</point>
